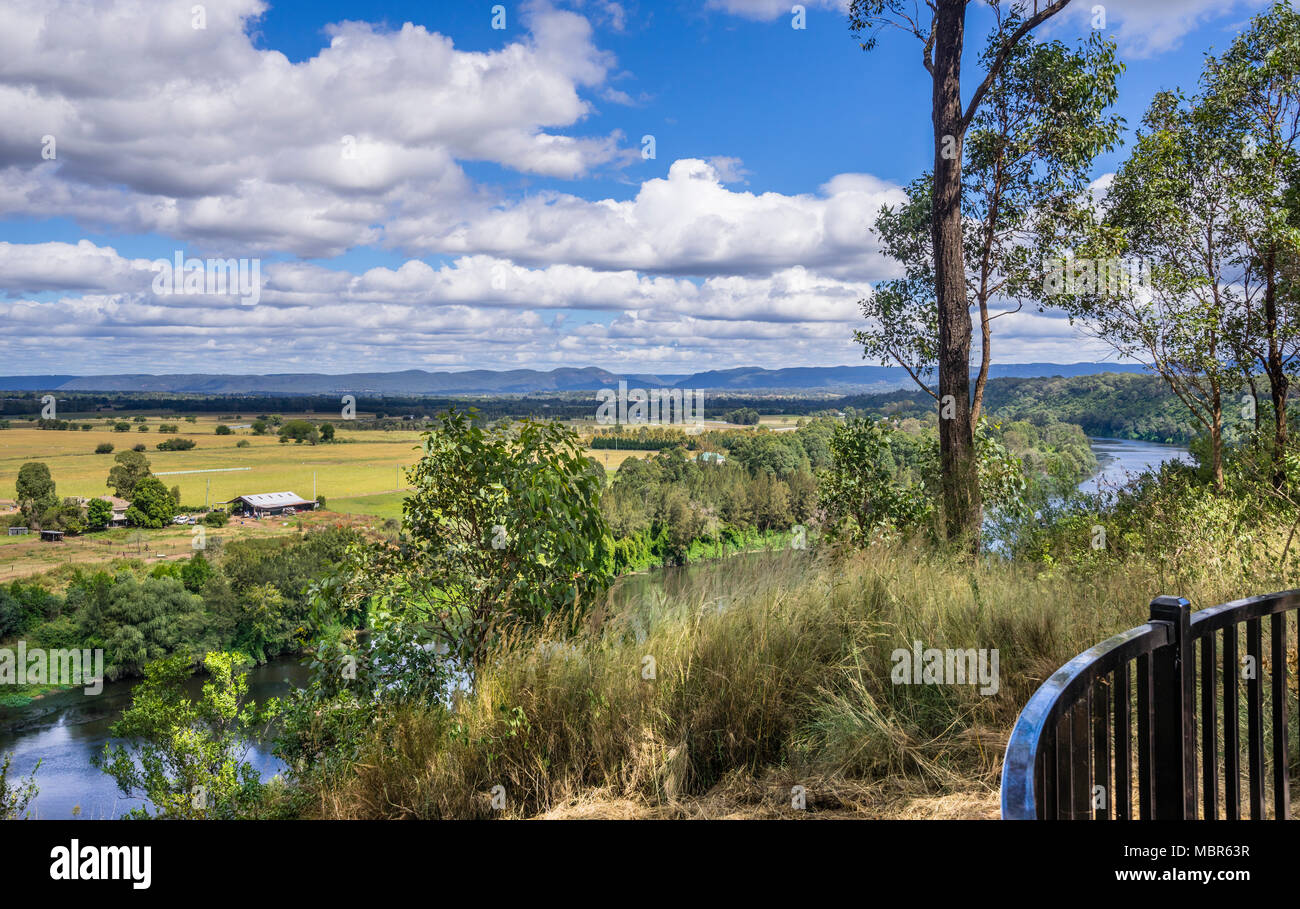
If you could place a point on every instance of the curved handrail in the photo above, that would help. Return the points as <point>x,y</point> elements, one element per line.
<point>1053,698</point>
<point>1218,617</point>
<point>1069,684</point>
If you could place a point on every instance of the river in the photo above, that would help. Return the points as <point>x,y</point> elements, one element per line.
<point>1119,460</point>
<point>65,729</point>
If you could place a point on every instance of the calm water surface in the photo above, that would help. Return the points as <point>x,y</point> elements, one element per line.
<point>64,730</point>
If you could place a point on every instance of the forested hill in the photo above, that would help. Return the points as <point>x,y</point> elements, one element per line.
<point>1117,405</point>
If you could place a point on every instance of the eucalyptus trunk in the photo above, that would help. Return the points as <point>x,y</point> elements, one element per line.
<point>960,476</point>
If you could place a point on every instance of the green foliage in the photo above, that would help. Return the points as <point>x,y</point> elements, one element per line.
<point>187,757</point>
<point>98,514</point>
<point>130,467</point>
<point>299,431</point>
<point>104,448</point>
<point>743,416</point>
<point>35,488</point>
<point>222,430</point>
<point>503,528</point>
<point>152,504</point>
<point>175,444</point>
<point>216,518</point>
<point>138,621</point>
<point>872,484</point>
<point>643,438</point>
<point>14,800</point>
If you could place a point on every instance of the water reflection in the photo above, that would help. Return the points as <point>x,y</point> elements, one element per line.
<point>66,729</point>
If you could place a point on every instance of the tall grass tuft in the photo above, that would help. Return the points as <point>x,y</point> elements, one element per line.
<point>780,661</point>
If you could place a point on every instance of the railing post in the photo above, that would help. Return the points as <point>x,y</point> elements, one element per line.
<point>1173,723</point>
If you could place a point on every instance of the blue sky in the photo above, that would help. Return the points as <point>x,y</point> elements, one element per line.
<point>421,190</point>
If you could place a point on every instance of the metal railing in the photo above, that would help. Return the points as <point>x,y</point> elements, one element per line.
<point>1140,694</point>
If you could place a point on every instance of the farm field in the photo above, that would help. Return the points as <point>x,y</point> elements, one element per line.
<point>24,556</point>
<point>361,463</point>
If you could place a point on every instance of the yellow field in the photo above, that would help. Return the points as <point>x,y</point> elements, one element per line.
<point>360,463</point>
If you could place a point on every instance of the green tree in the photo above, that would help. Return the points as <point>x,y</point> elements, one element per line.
<point>14,800</point>
<point>36,492</point>
<point>99,512</point>
<point>503,527</point>
<point>942,39</point>
<point>223,430</point>
<point>299,431</point>
<point>1253,94</point>
<point>176,444</point>
<point>130,467</point>
<point>864,491</point>
<point>188,757</point>
<point>152,505</point>
<point>1170,205</point>
<point>327,432</point>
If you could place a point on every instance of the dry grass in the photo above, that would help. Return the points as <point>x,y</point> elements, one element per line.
<point>768,674</point>
<point>366,462</point>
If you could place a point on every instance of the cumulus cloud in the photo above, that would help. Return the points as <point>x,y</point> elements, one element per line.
<point>1145,28</point>
<point>685,223</point>
<point>160,126</point>
<point>473,312</point>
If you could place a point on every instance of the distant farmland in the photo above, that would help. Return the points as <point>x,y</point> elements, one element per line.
<point>357,474</point>
<point>363,463</point>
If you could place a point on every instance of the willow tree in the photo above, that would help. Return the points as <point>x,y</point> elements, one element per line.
<point>940,27</point>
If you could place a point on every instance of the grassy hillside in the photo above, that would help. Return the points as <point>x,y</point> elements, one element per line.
<point>769,673</point>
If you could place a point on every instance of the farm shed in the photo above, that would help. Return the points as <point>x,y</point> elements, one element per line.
<point>269,503</point>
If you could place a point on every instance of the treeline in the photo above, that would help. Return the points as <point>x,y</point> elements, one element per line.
<point>675,506</point>
<point>1112,405</point>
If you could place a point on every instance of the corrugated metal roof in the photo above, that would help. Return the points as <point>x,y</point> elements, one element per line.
<point>275,500</point>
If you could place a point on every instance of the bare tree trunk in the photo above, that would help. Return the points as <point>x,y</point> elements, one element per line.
<point>1216,441</point>
<point>1278,382</point>
<point>960,477</point>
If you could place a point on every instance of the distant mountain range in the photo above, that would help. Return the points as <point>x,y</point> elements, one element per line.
<point>845,379</point>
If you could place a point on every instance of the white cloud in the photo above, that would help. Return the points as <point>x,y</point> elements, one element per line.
<point>1146,28</point>
<point>685,223</point>
<point>477,311</point>
<point>767,10</point>
<point>195,132</point>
